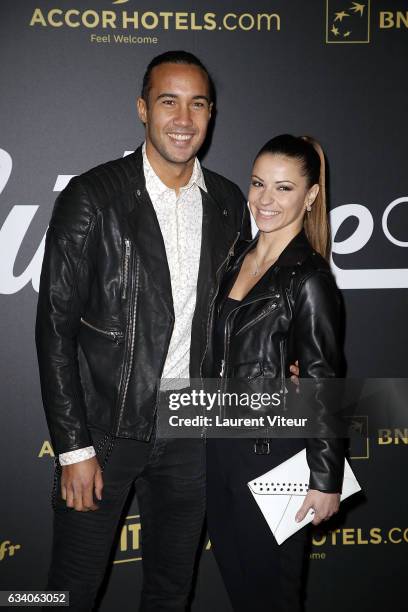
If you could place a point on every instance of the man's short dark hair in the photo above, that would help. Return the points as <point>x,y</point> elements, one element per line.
<point>174,57</point>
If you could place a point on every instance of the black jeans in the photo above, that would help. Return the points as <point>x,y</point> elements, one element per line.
<point>259,574</point>
<point>169,477</point>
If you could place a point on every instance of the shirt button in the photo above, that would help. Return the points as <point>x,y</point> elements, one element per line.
<point>225,212</point>
<point>138,192</point>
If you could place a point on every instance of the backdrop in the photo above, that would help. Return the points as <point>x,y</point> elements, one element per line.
<point>335,69</point>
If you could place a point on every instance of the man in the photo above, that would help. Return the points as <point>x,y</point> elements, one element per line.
<point>134,252</point>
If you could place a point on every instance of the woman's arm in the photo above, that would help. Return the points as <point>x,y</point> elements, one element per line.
<point>317,340</point>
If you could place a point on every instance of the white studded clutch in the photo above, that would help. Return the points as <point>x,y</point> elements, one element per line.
<point>280,492</point>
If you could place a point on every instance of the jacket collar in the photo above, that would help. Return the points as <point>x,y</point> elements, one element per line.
<point>156,186</point>
<point>295,252</point>
<point>146,234</point>
<point>144,231</point>
<point>135,165</point>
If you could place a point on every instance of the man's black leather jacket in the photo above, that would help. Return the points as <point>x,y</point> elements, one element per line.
<point>293,312</point>
<point>105,312</point>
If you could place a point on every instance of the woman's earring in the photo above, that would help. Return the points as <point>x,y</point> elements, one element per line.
<point>309,207</point>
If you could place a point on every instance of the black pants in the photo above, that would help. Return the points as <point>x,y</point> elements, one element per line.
<point>169,477</point>
<point>259,574</point>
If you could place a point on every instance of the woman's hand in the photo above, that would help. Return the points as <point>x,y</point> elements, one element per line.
<point>324,505</point>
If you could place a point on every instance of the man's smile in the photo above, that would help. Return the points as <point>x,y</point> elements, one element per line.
<point>180,136</point>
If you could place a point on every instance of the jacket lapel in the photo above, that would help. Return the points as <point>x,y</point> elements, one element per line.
<point>216,238</point>
<point>144,230</point>
<point>215,243</point>
<point>293,254</point>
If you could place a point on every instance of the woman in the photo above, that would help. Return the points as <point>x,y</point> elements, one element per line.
<point>277,303</point>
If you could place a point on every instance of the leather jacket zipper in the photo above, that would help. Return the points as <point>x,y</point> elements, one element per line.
<point>210,310</point>
<point>132,327</point>
<point>161,372</point>
<point>115,335</point>
<point>261,315</point>
<point>246,326</point>
<point>125,270</point>
<point>282,366</point>
<point>210,313</point>
<point>227,334</point>
<point>128,359</point>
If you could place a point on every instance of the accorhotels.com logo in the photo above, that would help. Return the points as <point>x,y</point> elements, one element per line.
<point>358,536</point>
<point>118,18</point>
<point>129,548</point>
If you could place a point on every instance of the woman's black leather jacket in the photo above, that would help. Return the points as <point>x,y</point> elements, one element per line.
<point>293,312</point>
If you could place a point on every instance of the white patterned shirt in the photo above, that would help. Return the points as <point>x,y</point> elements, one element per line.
<point>180,221</point>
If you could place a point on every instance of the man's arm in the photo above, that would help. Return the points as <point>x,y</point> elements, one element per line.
<point>66,276</point>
